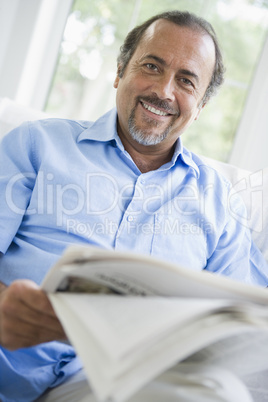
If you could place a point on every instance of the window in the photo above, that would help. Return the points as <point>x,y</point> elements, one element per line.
<point>83,83</point>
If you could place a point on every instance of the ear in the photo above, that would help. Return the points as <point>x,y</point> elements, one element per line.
<point>117,78</point>
<point>199,111</point>
<point>116,81</point>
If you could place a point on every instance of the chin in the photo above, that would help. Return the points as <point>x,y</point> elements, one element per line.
<point>147,139</point>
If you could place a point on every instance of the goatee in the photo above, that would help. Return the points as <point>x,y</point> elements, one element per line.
<point>144,136</point>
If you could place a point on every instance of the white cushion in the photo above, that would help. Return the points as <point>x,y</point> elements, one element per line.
<point>12,115</point>
<point>253,188</point>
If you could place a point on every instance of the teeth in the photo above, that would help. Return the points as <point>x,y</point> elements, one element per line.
<point>153,110</point>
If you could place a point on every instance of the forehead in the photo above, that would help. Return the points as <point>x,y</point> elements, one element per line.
<point>178,45</point>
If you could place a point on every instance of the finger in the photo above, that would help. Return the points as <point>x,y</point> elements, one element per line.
<point>32,296</point>
<point>27,317</point>
<point>24,335</point>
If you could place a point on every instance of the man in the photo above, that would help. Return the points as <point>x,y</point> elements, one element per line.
<point>123,182</point>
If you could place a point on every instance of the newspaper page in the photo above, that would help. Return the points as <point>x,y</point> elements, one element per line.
<point>94,270</point>
<point>125,342</point>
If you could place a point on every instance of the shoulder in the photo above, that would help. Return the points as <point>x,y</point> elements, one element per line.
<point>209,171</point>
<point>45,129</point>
<point>230,186</point>
<point>59,128</point>
<point>35,141</point>
<point>220,182</point>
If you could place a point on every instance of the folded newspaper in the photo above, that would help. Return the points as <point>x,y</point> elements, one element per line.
<point>131,317</point>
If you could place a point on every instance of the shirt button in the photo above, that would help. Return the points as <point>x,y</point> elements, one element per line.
<point>130,218</point>
<point>142,181</point>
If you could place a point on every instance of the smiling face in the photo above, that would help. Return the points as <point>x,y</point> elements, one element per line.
<point>160,92</point>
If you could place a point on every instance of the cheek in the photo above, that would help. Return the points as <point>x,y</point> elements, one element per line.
<point>188,107</point>
<point>124,91</point>
<point>124,102</point>
<point>127,95</point>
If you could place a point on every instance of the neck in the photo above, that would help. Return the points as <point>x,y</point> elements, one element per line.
<point>148,158</point>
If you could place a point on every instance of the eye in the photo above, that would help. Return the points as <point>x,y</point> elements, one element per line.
<point>186,82</point>
<point>151,66</point>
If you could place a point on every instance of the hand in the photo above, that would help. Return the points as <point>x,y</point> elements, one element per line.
<point>26,316</point>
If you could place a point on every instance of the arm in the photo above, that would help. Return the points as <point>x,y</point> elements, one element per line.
<point>26,316</point>
<point>235,254</point>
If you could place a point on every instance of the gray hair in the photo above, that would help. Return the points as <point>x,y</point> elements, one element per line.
<point>181,18</point>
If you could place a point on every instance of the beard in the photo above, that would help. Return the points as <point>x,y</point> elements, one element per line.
<point>145,136</point>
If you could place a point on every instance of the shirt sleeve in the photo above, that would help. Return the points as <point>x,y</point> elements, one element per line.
<point>26,373</point>
<point>17,178</point>
<point>236,255</point>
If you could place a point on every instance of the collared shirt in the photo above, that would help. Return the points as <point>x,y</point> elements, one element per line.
<point>64,182</point>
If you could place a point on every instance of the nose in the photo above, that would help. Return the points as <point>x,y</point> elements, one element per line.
<point>165,87</point>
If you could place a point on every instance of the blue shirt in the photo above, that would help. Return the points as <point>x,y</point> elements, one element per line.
<point>65,182</point>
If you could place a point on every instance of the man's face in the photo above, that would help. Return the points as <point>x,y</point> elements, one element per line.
<point>160,93</point>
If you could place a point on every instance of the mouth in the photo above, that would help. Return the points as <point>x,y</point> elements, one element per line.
<point>154,110</point>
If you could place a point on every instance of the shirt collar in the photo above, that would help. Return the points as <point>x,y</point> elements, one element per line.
<point>105,129</point>
<point>181,153</point>
<point>187,158</point>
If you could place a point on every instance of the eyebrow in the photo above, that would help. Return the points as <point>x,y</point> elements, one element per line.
<point>164,63</point>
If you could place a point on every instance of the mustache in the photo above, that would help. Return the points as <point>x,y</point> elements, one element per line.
<point>159,103</point>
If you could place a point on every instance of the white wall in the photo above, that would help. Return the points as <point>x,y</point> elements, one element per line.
<point>30,32</point>
<point>250,149</point>
<point>17,20</point>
